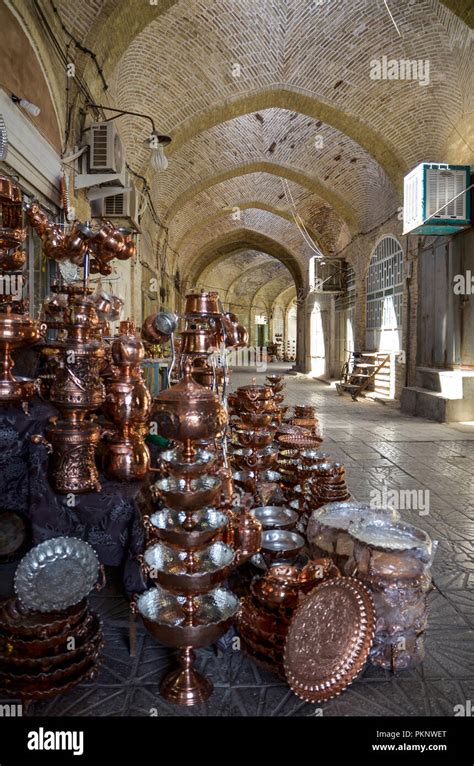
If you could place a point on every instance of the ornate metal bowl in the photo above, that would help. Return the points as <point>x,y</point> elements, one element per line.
<point>165,618</point>
<point>189,531</point>
<point>183,572</point>
<point>176,464</point>
<point>275,517</point>
<point>181,495</point>
<point>281,545</point>
<point>56,574</point>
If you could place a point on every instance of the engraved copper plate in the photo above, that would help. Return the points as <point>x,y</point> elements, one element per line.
<point>329,639</point>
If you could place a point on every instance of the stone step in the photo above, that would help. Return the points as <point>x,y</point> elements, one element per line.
<point>435,405</point>
<point>451,383</point>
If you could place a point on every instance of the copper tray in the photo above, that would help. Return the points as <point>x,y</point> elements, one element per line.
<point>329,639</point>
<point>88,645</point>
<point>56,644</point>
<point>15,621</point>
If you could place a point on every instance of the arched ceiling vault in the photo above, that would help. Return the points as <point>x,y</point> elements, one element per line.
<point>269,292</point>
<point>306,181</point>
<point>219,248</point>
<point>254,93</point>
<point>250,205</point>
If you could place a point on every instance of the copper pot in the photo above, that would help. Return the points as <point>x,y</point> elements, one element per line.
<point>198,341</point>
<point>188,412</point>
<point>202,303</point>
<point>150,333</point>
<point>126,460</point>
<point>246,535</point>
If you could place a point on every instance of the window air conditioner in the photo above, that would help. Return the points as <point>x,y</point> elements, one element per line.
<point>124,205</point>
<point>105,148</point>
<point>436,200</point>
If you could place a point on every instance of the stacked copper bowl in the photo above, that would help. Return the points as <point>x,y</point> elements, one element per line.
<point>49,639</point>
<point>190,551</point>
<point>328,484</point>
<point>305,417</point>
<point>43,655</point>
<point>277,385</point>
<point>254,455</point>
<point>265,614</point>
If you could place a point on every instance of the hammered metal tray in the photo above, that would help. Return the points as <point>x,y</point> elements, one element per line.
<point>329,639</point>
<point>56,574</point>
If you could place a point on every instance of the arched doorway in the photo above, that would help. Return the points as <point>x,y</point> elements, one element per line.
<point>385,296</point>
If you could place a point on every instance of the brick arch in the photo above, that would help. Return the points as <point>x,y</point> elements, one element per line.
<point>297,176</point>
<point>220,247</point>
<point>272,289</point>
<point>294,99</point>
<point>251,205</point>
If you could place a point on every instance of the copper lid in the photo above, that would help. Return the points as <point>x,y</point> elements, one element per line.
<point>329,639</point>
<point>186,389</point>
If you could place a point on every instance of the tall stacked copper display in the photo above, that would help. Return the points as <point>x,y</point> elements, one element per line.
<point>191,540</point>
<point>80,358</point>
<point>17,328</point>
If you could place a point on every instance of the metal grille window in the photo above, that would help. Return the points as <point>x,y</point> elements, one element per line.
<point>385,285</point>
<point>346,299</point>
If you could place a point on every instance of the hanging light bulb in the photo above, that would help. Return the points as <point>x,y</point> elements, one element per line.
<point>28,106</point>
<point>156,143</point>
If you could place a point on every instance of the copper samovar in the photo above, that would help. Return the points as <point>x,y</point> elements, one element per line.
<point>127,405</point>
<point>76,392</point>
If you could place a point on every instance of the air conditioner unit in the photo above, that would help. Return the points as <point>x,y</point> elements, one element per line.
<point>436,199</point>
<point>105,148</point>
<point>123,206</point>
<point>327,275</point>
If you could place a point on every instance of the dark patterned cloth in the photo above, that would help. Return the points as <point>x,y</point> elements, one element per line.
<point>109,520</point>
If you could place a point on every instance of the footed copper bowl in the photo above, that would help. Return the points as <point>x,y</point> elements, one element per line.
<point>181,494</point>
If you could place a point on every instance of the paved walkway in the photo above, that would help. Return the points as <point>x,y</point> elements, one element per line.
<point>380,448</point>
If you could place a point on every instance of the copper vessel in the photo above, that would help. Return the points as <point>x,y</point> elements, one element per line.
<point>76,392</point>
<point>127,404</point>
<point>16,331</point>
<point>202,303</point>
<point>188,412</point>
<point>198,342</point>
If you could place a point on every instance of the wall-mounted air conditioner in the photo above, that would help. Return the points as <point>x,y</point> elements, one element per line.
<point>123,205</point>
<point>436,200</point>
<point>104,161</point>
<point>105,148</point>
<point>327,275</point>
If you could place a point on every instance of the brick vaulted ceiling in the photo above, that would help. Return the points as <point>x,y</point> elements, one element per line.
<point>274,98</point>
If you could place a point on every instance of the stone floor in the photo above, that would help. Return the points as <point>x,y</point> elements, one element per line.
<point>379,447</point>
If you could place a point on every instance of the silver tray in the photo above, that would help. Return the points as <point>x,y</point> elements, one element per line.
<point>56,574</point>
<point>341,515</point>
<point>382,533</point>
